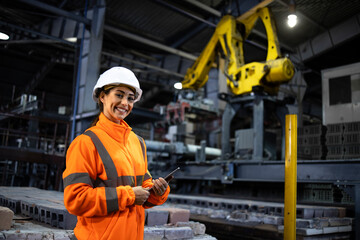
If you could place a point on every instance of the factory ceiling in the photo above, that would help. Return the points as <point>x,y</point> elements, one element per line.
<point>159,39</point>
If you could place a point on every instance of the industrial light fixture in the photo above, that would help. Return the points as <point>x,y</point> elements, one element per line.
<point>178,85</point>
<point>292,18</point>
<point>4,36</point>
<point>71,39</point>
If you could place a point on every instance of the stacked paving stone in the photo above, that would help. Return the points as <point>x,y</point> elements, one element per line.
<point>48,207</point>
<point>311,221</point>
<point>41,205</point>
<point>311,142</point>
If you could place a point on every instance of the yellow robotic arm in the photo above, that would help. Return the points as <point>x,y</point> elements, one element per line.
<point>230,34</point>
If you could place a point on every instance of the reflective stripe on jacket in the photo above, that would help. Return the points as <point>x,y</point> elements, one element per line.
<point>99,191</point>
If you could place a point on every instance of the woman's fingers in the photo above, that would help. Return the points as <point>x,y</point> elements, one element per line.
<point>160,186</point>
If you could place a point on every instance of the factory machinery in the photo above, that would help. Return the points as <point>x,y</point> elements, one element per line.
<point>232,166</point>
<point>251,130</point>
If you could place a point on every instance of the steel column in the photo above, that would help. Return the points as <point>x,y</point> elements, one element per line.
<point>258,121</point>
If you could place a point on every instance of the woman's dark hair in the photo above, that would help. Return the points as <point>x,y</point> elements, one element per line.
<point>101,106</point>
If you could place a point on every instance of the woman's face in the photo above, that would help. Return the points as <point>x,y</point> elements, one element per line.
<point>118,103</point>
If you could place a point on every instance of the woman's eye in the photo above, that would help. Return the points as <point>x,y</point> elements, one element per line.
<point>120,95</point>
<point>131,99</point>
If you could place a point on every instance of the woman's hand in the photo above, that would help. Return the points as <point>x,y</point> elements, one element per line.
<point>160,186</point>
<point>141,195</point>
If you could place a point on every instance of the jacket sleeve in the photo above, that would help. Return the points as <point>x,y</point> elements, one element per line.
<point>153,199</point>
<point>83,167</point>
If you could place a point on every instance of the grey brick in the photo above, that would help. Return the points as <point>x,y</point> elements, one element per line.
<point>319,213</point>
<point>15,236</point>
<point>331,212</point>
<point>34,236</point>
<point>303,223</point>
<point>274,220</point>
<point>320,222</point>
<point>219,214</point>
<point>305,213</point>
<point>196,227</point>
<point>203,237</point>
<point>61,236</point>
<point>154,233</point>
<point>178,233</point>
<point>156,216</point>
<point>308,231</point>
<point>239,214</point>
<point>255,217</point>
<point>333,222</point>
<point>345,228</point>
<point>327,230</point>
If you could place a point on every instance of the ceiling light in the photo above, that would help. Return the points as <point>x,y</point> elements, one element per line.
<point>292,20</point>
<point>71,39</point>
<point>178,85</point>
<point>4,36</point>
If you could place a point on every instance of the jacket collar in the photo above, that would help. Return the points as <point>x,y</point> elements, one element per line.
<point>120,132</point>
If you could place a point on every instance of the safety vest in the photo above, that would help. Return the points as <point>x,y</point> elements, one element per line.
<point>102,166</point>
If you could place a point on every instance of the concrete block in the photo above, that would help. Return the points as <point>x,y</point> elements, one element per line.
<point>308,231</point>
<point>320,222</point>
<point>34,236</point>
<point>345,228</point>
<point>18,236</point>
<point>303,223</point>
<point>196,227</point>
<point>219,214</point>
<point>331,212</point>
<point>156,216</point>
<point>6,217</point>
<point>203,237</point>
<point>270,210</point>
<point>65,220</point>
<point>342,212</point>
<point>238,215</point>
<point>154,233</point>
<point>335,222</point>
<point>178,233</point>
<point>328,230</point>
<point>279,211</point>
<point>274,220</point>
<point>305,213</point>
<point>177,215</point>
<point>255,217</point>
<point>61,236</point>
<point>318,213</point>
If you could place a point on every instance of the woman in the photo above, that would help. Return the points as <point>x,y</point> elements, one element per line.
<point>106,181</point>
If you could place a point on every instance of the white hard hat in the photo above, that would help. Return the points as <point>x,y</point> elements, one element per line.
<point>118,75</point>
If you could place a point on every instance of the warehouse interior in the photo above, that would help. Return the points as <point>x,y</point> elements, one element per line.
<point>229,143</point>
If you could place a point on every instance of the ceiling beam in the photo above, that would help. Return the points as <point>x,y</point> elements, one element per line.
<point>186,13</point>
<point>205,7</point>
<point>57,11</point>
<point>36,33</point>
<point>168,72</point>
<point>150,42</point>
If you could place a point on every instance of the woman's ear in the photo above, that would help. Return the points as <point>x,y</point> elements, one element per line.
<point>101,96</point>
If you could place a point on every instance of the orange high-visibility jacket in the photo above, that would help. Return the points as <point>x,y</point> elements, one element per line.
<point>105,204</point>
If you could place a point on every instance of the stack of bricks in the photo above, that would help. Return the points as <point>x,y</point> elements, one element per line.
<point>48,207</point>
<point>311,142</point>
<point>351,140</point>
<point>310,220</point>
<point>41,205</point>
